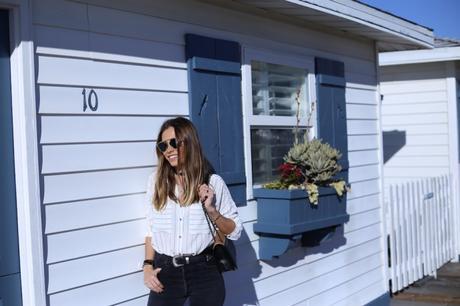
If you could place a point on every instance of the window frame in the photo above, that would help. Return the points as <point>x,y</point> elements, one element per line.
<point>271,122</point>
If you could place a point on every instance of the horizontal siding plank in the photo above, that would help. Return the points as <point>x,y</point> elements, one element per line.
<point>428,108</point>
<point>91,73</point>
<point>365,295</point>
<point>425,150</point>
<point>97,156</point>
<point>356,111</point>
<point>325,282</point>
<point>403,120</point>
<point>88,270</point>
<point>417,129</point>
<point>340,292</point>
<point>142,301</point>
<point>415,171</point>
<point>90,213</point>
<point>418,161</point>
<point>61,13</point>
<point>362,219</point>
<point>365,142</point>
<point>364,188</point>
<point>75,43</point>
<point>76,129</point>
<point>363,173</point>
<point>362,127</point>
<point>358,205</point>
<point>91,241</point>
<point>358,158</point>
<point>425,140</point>
<point>412,86</point>
<point>413,97</point>
<point>108,292</point>
<point>62,187</point>
<point>360,96</point>
<point>69,100</point>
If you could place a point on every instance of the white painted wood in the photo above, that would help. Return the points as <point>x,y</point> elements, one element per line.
<point>420,232</point>
<point>420,56</point>
<point>359,96</point>
<point>61,188</point>
<point>357,158</point>
<point>61,13</point>
<point>418,129</point>
<point>91,241</point>
<point>426,150</point>
<point>67,275</point>
<point>362,127</point>
<point>77,129</point>
<point>31,249</point>
<point>360,189</point>
<point>88,73</point>
<point>365,296</point>
<point>357,111</point>
<point>91,213</point>
<point>103,293</point>
<point>69,100</point>
<point>142,301</point>
<point>97,156</point>
<point>409,119</point>
<point>363,173</point>
<point>419,97</point>
<point>413,87</point>
<point>367,142</point>
<point>418,161</point>
<point>408,109</point>
<point>415,172</point>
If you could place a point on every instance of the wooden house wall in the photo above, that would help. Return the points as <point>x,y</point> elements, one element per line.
<point>94,164</point>
<point>415,104</point>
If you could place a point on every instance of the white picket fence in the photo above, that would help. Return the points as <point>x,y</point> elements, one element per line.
<point>420,229</point>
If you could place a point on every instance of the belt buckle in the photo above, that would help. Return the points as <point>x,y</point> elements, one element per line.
<point>176,264</point>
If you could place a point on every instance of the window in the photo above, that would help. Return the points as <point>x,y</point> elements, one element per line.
<point>277,91</point>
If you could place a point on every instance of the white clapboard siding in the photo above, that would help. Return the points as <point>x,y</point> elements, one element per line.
<point>107,292</point>
<point>67,275</point>
<point>90,73</point>
<point>90,241</point>
<point>417,129</point>
<point>358,205</point>
<point>395,109</point>
<point>76,129</point>
<point>363,173</point>
<point>409,119</point>
<point>412,87</point>
<point>362,127</point>
<point>418,161</point>
<point>419,97</point>
<point>360,96</point>
<point>364,296</point>
<point>87,185</point>
<point>97,156</point>
<point>142,301</point>
<point>326,281</point>
<point>365,142</point>
<point>360,111</point>
<point>69,100</point>
<point>343,290</point>
<point>426,150</point>
<point>364,188</point>
<point>357,158</point>
<point>415,172</point>
<point>95,212</point>
<point>67,42</point>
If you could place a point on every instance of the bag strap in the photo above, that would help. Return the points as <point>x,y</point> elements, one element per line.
<point>208,220</point>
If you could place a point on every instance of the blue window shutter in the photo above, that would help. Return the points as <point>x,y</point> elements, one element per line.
<point>214,70</point>
<point>331,107</point>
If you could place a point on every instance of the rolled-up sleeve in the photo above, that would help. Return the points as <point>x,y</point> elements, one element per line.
<point>226,205</point>
<point>148,205</point>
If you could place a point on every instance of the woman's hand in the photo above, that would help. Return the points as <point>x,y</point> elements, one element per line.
<point>151,279</point>
<point>206,195</point>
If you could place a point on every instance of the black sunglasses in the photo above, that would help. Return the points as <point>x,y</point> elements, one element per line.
<point>163,145</point>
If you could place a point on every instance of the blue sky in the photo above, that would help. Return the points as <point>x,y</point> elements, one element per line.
<point>443,16</point>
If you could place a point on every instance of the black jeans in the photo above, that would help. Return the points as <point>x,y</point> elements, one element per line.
<point>200,282</point>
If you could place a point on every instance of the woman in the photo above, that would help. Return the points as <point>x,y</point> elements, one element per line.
<point>178,246</point>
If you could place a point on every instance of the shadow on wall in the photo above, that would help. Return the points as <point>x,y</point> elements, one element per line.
<point>393,141</point>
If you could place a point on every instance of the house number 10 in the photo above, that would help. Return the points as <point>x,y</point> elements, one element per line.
<point>91,102</point>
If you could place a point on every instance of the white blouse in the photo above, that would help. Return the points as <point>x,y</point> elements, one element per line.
<point>177,230</point>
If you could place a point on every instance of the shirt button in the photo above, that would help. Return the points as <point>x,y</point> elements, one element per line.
<point>180,236</point>
<point>180,219</point>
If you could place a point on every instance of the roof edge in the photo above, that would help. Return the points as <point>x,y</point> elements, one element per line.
<point>419,56</point>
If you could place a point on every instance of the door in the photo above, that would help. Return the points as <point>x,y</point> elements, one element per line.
<point>10,287</point>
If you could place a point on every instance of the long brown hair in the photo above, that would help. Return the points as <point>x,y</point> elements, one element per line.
<point>194,167</point>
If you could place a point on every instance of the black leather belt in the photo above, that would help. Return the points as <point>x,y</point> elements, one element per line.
<point>184,259</point>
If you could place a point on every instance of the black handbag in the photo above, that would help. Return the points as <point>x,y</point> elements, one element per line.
<point>224,259</point>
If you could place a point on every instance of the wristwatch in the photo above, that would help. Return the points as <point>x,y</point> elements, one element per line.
<point>147,262</point>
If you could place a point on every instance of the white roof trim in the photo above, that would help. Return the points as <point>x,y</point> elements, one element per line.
<point>373,18</point>
<point>419,56</point>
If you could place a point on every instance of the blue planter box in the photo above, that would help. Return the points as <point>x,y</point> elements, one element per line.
<point>284,215</point>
